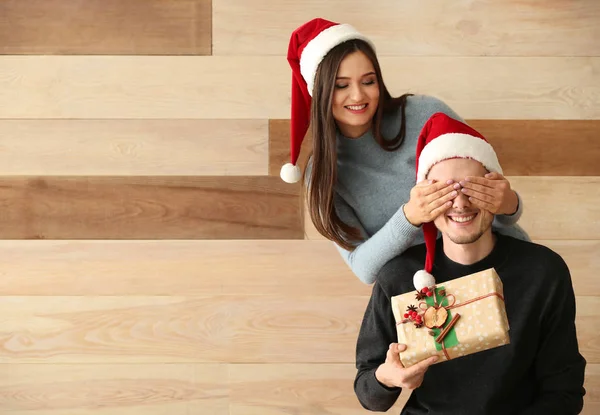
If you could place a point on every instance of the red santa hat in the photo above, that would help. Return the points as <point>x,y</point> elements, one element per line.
<point>309,44</point>
<point>442,138</point>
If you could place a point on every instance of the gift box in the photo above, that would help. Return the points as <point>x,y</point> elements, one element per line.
<point>453,319</point>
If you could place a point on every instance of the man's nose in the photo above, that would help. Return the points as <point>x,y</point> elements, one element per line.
<point>461,201</point>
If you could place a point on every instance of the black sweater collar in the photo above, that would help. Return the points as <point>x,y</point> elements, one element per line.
<point>446,269</point>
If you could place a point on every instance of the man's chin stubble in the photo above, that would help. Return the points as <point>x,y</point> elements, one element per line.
<point>463,240</point>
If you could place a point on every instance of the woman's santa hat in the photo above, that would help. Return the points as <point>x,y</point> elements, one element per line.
<point>442,138</point>
<point>309,44</point>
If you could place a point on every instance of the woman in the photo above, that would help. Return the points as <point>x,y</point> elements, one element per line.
<point>360,182</point>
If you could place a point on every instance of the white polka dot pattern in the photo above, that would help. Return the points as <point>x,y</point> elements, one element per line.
<point>483,324</point>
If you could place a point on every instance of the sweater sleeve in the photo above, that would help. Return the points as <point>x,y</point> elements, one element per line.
<point>369,257</point>
<point>559,367</point>
<point>376,333</point>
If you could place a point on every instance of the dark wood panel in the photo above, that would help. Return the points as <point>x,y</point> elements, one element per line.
<point>206,207</point>
<point>524,147</point>
<point>544,147</point>
<point>110,27</point>
<point>279,146</point>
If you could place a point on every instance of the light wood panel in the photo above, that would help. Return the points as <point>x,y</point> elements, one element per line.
<point>133,147</point>
<point>212,87</point>
<point>177,389</point>
<point>587,327</point>
<point>297,389</point>
<point>524,148</point>
<point>284,268</point>
<point>107,389</point>
<point>327,389</point>
<point>558,208</point>
<point>109,27</point>
<point>591,400</point>
<point>233,267</point>
<point>413,27</point>
<point>176,329</point>
<point>228,329</point>
<point>149,208</point>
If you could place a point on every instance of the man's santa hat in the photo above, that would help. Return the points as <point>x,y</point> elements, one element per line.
<point>309,44</point>
<point>442,138</point>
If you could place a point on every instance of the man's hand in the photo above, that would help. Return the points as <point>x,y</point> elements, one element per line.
<point>394,375</point>
<point>492,193</point>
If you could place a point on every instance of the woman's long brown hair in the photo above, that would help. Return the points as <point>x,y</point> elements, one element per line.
<point>322,174</point>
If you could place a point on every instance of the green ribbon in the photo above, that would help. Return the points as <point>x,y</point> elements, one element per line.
<point>450,340</point>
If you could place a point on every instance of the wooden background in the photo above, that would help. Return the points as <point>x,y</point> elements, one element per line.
<point>152,260</point>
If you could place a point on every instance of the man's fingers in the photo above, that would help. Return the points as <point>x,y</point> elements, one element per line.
<point>421,367</point>
<point>393,353</point>
<point>400,347</point>
<point>397,348</point>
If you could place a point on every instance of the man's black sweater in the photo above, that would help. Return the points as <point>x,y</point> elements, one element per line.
<point>540,372</point>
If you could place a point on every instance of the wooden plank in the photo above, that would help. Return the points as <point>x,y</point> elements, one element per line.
<point>413,27</point>
<point>570,147</point>
<point>583,262</point>
<point>302,389</point>
<point>106,389</point>
<point>161,389</point>
<point>149,208</point>
<point>279,146</point>
<point>140,329</point>
<point>118,87</point>
<point>547,200</point>
<point>206,267</point>
<point>105,27</point>
<point>133,147</point>
<point>588,312</point>
<point>327,389</point>
<point>591,400</point>
<point>544,147</point>
<point>234,329</point>
<point>238,267</point>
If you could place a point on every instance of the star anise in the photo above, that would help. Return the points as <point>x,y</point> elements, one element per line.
<point>420,295</point>
<point>411,308</point>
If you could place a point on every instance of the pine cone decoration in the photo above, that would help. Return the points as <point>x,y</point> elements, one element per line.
<point>411,308</point>
<point>442,293</point>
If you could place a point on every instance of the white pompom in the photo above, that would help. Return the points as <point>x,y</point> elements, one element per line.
<point>423,279</point>
<point>290,173</point>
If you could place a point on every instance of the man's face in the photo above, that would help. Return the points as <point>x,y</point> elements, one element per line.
<point>463,223</point>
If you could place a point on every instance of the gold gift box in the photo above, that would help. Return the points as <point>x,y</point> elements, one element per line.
<point>478,299</point>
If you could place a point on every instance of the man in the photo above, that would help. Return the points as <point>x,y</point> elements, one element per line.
<point>540,372</point>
